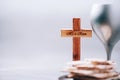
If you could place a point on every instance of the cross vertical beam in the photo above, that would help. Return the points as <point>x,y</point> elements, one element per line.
<point>76,40</point>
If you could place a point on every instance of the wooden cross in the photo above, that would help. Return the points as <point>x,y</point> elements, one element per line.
<point>76,33</point>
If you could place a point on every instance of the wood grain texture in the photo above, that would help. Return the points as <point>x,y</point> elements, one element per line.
<point>76,33</point>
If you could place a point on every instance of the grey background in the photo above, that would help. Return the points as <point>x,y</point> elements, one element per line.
<point>31,47</point>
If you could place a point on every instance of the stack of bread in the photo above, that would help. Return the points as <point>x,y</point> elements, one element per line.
<point>92,70</point>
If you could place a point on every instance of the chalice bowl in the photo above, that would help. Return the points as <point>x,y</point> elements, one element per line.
<point>105,21</point>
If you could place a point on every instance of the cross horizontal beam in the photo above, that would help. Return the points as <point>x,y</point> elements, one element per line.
<point>71,33</point>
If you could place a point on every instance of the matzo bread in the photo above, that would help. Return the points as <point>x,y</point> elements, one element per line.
<point>100,69</point>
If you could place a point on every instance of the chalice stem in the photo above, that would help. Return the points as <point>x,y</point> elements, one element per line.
<point>108,51</point>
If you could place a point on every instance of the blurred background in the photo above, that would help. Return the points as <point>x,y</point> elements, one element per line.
<point>31,47</point>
